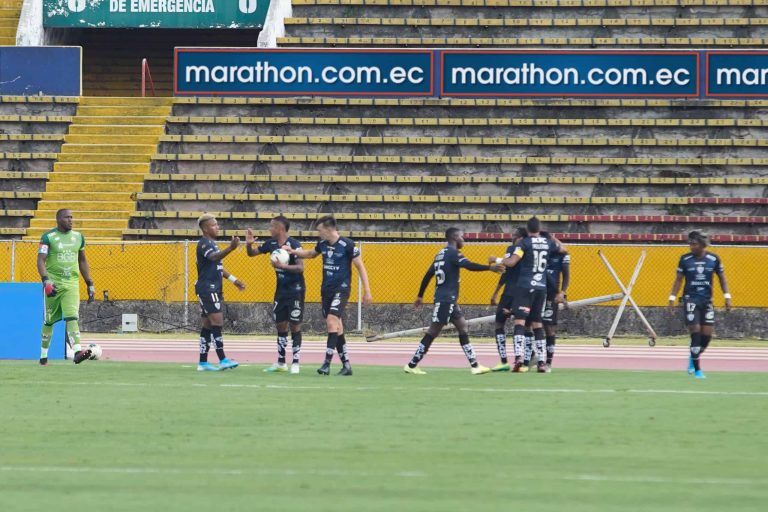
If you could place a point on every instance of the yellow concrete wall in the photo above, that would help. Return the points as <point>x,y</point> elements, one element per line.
<point>152,271</point>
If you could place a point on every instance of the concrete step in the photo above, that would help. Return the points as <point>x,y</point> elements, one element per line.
<point>8,32</point>
<point>129,120</point>
<point>106,206</point>
<point>90,186</point>
<point>89,233</point>
<point>123,149</point>
<point>103,157</point>
<point>96,197</point>
<point>112,177</point>
<point>90,167</point>
<point>115,129</point>
<point>124,110</point>
<point>50,215</point>
<point>121,100</point>
<point>112,139</point>
<point>81,222</point>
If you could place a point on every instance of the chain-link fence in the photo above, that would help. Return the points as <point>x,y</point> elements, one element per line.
<point>155,280</point>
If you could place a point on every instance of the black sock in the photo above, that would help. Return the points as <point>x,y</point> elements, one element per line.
<point>501,345</point>
<point>469,351</point>
<point>541,345</point>
<point>330,346</point>
<point>296,337</point>
<point>696,350</point>
<point>551,348</point>
<point>529,337</point>
<point>205,344</point>
<point>705,339</point>
<point>341,348</point>
<point>519,340</point>
<point>421,350</point>
<point>282,343</point>
<point>218,340</point>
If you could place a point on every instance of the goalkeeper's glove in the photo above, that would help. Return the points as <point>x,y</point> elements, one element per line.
<point>91,291</point>
<point>49,287</point>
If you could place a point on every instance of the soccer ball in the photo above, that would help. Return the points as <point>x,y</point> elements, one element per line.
<point>95,351</point>
<point>280,255</point>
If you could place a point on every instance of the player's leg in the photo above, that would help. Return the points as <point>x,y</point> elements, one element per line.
<point>528,355</point>
<point>280,315</point>
<point>333,334</point>
<point>707,325</point>
<point>297,316</point>
<point>521,308</point>
<point>206,305</point>
<point>537,310</point>
<point>440,318</point>
<point>217,324</point>
<point>501,335</point>
<point>337,309</point>
<point>52,315</point>
<point>70,311</point>
<point>457,319</point>
<point>549,319</point>
<point>693,320</point>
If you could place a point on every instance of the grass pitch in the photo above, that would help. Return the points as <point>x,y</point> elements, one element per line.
<point>146,437</point>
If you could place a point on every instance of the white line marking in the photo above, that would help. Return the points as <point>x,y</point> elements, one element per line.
<point>665,480</point>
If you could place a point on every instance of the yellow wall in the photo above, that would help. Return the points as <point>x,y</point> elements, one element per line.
<point>152,271</point>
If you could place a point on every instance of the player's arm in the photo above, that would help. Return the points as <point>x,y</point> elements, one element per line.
<point>306,254</point>
<point>232,279</point>
<point>85,271</point>
<point>477,267</point>
<point>563,293</point>
<point>496,291</point>
<point>724,285</point>
<point>423,288</point>
<point>213,254</point>
<point>676,285</point>
<point>42,255</point>
<point>298,268</point>
<point>513,259</point>
<point>250,250</point>
<point>360,266</point>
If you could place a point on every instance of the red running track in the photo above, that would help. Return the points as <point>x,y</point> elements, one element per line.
<point>440,355</point>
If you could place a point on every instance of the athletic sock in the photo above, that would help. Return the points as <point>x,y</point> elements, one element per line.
<point>73,332</point>
<point>330,346</point>
<point>705,339</point>
<point>529,337</point>
<point>421,350</point>
<point>551,348</point>
<point>296,337</point>
<point>341,348</point>
<point>696,350</point>
<point>205,344</point>
<point>282,343</point>
<point>45,342</point>
<point>501,345</point>
<point>519,341</point>
<point>218,341</point>
<point>541,344</point>
<point>469,351</point>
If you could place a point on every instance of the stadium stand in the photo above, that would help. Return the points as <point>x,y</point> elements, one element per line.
<point>9,20</point>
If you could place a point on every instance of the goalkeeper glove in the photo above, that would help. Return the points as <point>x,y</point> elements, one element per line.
<point>91,291</point>
<point>49,287</point>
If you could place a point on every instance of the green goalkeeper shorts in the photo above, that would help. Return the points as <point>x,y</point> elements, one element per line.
<point>65,305</point>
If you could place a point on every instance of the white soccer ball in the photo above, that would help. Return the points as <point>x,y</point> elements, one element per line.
<point>280,255</point>
<point>95,351</point>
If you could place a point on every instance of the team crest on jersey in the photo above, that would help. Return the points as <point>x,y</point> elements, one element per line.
<point>700,269</point>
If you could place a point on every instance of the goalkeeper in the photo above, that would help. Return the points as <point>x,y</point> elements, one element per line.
<point>60,261</point>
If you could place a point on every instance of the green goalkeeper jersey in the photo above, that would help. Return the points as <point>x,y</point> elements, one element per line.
<point>62,254</point>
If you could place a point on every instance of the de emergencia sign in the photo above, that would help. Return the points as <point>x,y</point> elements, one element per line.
<point>155,13</point>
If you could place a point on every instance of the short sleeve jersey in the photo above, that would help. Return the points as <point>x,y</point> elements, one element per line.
<point>447,267</point>
<point>337,264</point>
<point>698,274</point>
<point>62,251</point>
<point>289,284</point>
<point>209,273</point>
<point>534,253</point>
<point>555,264</point>
<point>511,274</point>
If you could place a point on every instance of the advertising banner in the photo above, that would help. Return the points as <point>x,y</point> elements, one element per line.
<point>737,74</point>
<point>40,70</point>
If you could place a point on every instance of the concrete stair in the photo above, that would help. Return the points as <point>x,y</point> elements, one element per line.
<point>102,163</point>
<point>10,10</point>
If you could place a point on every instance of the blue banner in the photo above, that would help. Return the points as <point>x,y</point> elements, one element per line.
<point>271,72</point>
<point>504,73</point>
<point>21,337</point>
<point>46,70</point>
<point>741,74</point>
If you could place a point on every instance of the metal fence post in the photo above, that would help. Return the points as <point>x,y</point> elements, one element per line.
<point>186,283</point>
<point>360,298</point>
<point>13,260</point>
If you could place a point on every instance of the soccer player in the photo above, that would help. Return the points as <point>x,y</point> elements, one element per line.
<point>339,254</point>
<point>697,268</point>
<point>532,253</point>
<point>209,291</point>
<point>445,269</point>
<point>507,280</point>
<point>288,309</point>
<point>558,266</point>
<point>60,262</point>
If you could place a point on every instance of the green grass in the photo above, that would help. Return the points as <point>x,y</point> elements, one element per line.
<point>161,437</point>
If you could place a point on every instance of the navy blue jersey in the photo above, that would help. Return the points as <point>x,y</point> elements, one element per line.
<point>534,254</point>
<point>555,264</point>
<point>289,284</point>
<point>337,263</point>
<point>698,273</point>
<point>209,272</point>
<point>510,276</point>
<point>446,269</point>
